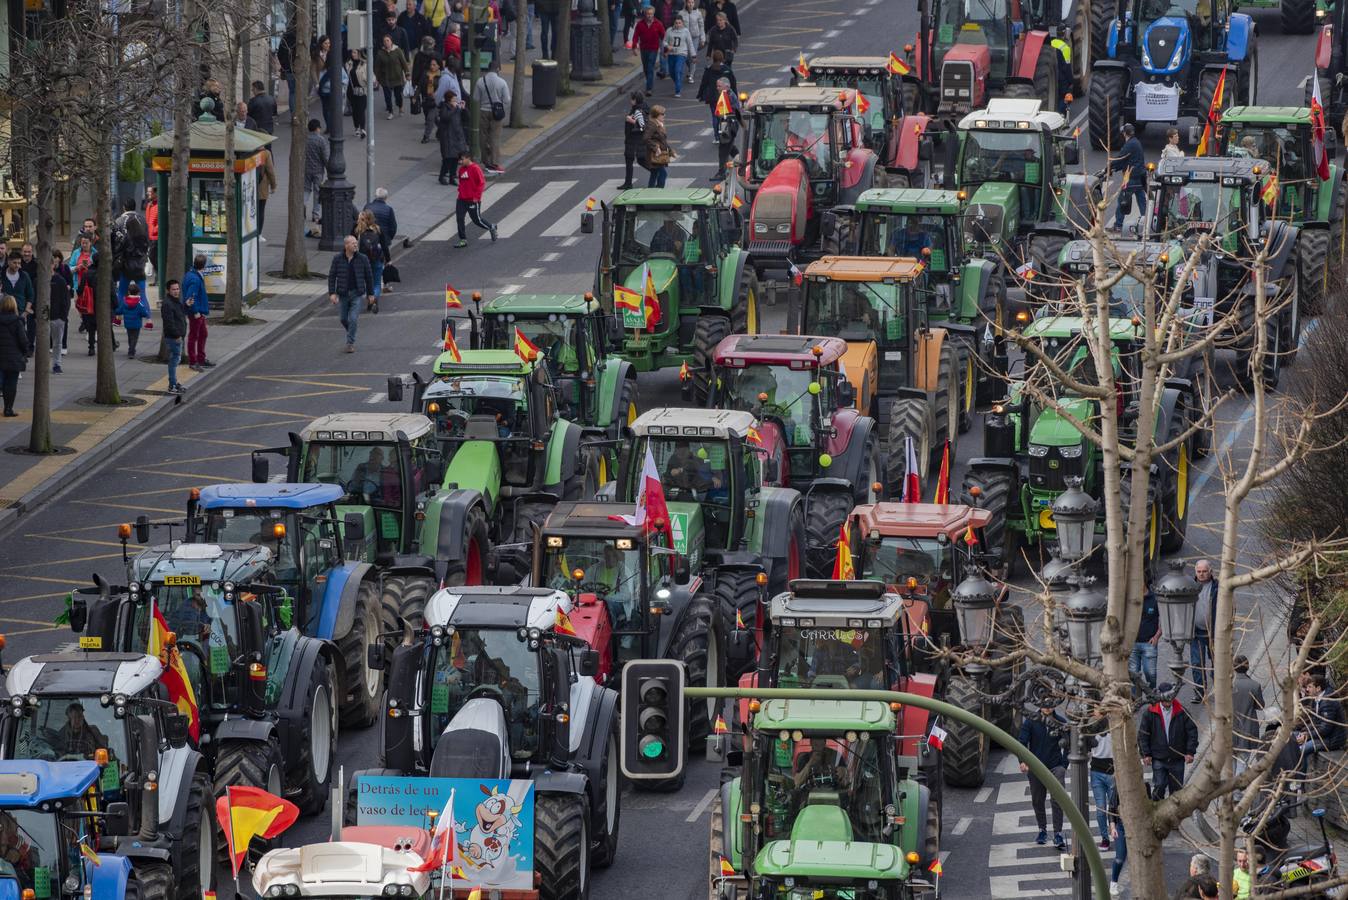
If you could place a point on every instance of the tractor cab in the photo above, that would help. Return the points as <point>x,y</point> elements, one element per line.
<point>913,223</point>
<point>880,92</point>
<point>1282,137</point>
<point>1127,295</point>
<point>1221,195</point>
<point>918,549</point>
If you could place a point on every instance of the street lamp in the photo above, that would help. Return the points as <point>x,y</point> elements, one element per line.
<point>975,601</point>
<point>1074,513</point>
<point>1177,595</point>
<point>1086,607</point>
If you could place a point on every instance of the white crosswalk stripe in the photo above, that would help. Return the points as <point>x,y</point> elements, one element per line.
<point>493,195</point>
<point>569,222</point>
<point>533,207</point>
<point>1016,865</point>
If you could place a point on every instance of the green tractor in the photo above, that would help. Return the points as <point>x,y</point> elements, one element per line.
<point>1033,452</point>
<point>501,436</point>
<point>1282,135</point>
<point>571,331</point>
<point>737,533</point>
<point>825,804</point>
<point>689,241</point>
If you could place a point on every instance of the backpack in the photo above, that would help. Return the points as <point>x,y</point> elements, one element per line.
<point>371,246</point>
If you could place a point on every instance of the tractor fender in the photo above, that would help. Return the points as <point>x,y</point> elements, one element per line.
<point>260,730</point>
<point>681,598</point>
<point>563,457</point>
<point>1281,241</point>
<point>291,706</point>
<point>859,176</point>
<point>848,446</point>
<point>1032,44</point>
<point>611,377</point>
<point>927,369</point>
<point>1326,200</point>
<point>911,135</point>
<point>589,747</point>
<point>1165,412</point>
<point>550,781</point>
<point>397,750</point>
<point>339,599</point>
<point>993,462</point>
<point>108,880</point>
<point>1109,63</point>
<point>775,508</point>
<point>449,524</point>
<point>132,848</point>
<point>1239,37</point>
<point>409,564</point>
<point>177,767</point>
<point>913,808</point>
<point>975,288</point>
<point>730,276</point>
<point>732,835</point>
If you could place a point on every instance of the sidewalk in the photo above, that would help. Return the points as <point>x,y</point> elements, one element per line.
<point>408,168</point>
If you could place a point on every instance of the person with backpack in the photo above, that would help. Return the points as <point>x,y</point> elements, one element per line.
<point>492,94</point>
<point>728,125</point>
<point>373,244</point>
<point>634,135</point>
<point>130,248</point>
<point>134,309</point>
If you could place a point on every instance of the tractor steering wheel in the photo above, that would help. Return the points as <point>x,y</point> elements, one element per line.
<point>494,691</point>
<point>593,587</point>
<point>456,422</point>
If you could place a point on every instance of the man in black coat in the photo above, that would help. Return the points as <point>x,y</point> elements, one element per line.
<point>1320,727</point>
<point>1133,164</point>
<point>173,313</point>
<point>1043,735</point>
<point>634,135</point>
<point>1167,739</point>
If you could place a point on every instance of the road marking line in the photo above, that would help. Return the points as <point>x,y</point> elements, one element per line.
<point>1008,822</point>
<point>375,397</point>
<point>423,360</point>
<point>1007,887</point>
<point>1013,792</point>
<point>701,805</point>
<point>1003,855</point>
<point>530,209</point>
<point>449,228</point>
<point>706,132</point>
<point>571,241</point>
<point>510,289</point>
<point>817,45</point>
<point>832,34</point>
<point>550,257</point>
<point>531,273</point>
<point>983,795</point>
<point>1214,457</point>
<point>962,826</point>
<point>846,22</point>
<point>690,145</point>
<point>570,220</point>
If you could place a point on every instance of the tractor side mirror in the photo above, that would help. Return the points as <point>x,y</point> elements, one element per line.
<point>734,758</point>
<point>682,572</point>
<point>79,614</point>
<point>589,663</point>
<point>374,657</point>
<point>847,394</point>
<point>925,149</point>
<point>587,222</point>
<point>1072,154</point>
<point>142,529</point>
<point>261,469</point>
<point>828,224</point>
<point>176,730</point>
<point>353,527</point>
<point>117,818</point>
<point>395,388</point>
<point>729,221</point>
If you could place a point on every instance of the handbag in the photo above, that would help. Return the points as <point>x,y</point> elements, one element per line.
<point>660,156</point>
<point>408,91</point>
<point>497,107</point>
<point>391,275</point>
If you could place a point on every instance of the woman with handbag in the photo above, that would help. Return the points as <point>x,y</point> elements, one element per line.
<point>658,152</point>
<point>13,351</point>
<point>430,77</point>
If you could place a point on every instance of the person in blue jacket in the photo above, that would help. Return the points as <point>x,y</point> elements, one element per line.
<point>135,313</point>
<point>198,311</point>
<point>1042,734</point>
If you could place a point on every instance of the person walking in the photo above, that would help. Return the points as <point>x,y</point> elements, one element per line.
<point>1320,725</point>
<point>135,312</point>
<point>1205,616</point>
<point>357,81</point>
<point>1102,777</point>
<point>676,47</point>
<point>13,351</point>
<point>1167,739</point>
<point>198,311</point>
<point>392,69</point>
<point>350,280</point>
<point>729,120</point>
<point>634,135</point>
<point>28,265</point>
<point>373,244</point>
<point>130,248</point>
<point>426,84</point>
<point>174,313</point>
<point>449,132</point>
<point>471,185</point>
<point>266,183</point>
<point>1142,658</point>
<point>331,100</point>
<point>658,152</point>
<point>1172,145</point>
<point>315,167</point>
<point>152,222</point>
<point>84,266</point>
<point>383,213</point>
<point>727,8</point>
<point>547,11</point>
<point>707,90</point>
<point>1042,734</point>
<point>262,108</point>
<point>1132,162</point>
<point>723,37</point>
<point>1119,838</point>
<point>1247,701</point>
<point>414,24</point>
<point>59,309</point>
<point>696,23</point>
<point>16,283</point>
<point>647,38</point>
<point>492,94</point>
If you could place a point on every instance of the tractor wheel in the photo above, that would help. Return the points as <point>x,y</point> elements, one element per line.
<point>693,645</point>
<point>825,512</point>
<point>1298,16</point>
<point>1290,298</point>
<point>947,403</point>
<point>472,569</point>
<point>744,314</point>
<point>995,495</point>
<point>737,592</point>
<point>515,565</point>
<point>1103,13</point>
<point>561,846</point>
<point>1019,90</point>
<point>908,417</point>
<point>869,476</point>
<point>965,749</point>
<point>256,764</point>
<point>151,880</point>
<point>312,772</point>
<point>707,333</point>
<point>1008,634</point>
<point>1175,502</point>
<point>1107,101</point>
<point>363,686</point>
<point>1045,252</point>
<point>405,597</point>
<point>194,849</point>
<point>610,790</point>
<point>1338,237</point>
<point>1046,84</point>
<point>967,366</point>
<point>626,411</point>
<point>1247,80</point>
<point>931,833</point>
<point>1313,254</point>
<point>351,801</point>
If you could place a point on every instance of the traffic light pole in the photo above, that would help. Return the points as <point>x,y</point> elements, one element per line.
<point>1080,828</point>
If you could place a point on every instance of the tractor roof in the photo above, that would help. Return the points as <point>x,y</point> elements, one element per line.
<point>83,674</point>
<point>803,97</point>
<point>920,519</point>
<point>266,496</point>
<point>203,562</point>
<point>1229,169</point>
<point>482,362</point>
<point>752,349</point>
<point>347,868</point>
<point>836,604</point>
<point>541,305</point>
<point>667,197</point>
<point>32,782</point>
<point>1003,113</point>
<point>848,63</point>
<point>703,423</point>
<point>832,860</point>
<point>484,606</point>
<point>824,716</point>
<point>865,268</point>
<point>591,517</point>
<point>909,200</point>
<point>1075,254</point>
<point>1120,329</point>
<point>366,427</point>
<point>1268,115</point>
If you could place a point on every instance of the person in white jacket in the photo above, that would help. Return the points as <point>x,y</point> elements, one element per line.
<point>677,48</point>
<point>696,22</point>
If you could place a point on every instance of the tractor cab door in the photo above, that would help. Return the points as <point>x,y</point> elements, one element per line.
<point>746,485</point>
<point>556,697</point>
<point>989,22</point>
<point>318,552</point>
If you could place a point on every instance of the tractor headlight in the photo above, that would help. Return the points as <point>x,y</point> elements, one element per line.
<point>390,890</point>
<point>1146,57</point>
<point>760,228</point>
<point>229,587</point>
<point>1038,450</point>
<point>1072,452</point>
<point>1177,57</point>
<point>406,890</point>
<point>784,228</point>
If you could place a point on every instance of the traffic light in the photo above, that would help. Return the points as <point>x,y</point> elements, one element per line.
<point>652,719</point>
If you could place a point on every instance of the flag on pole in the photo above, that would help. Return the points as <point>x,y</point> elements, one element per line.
<point>935,867</point>
<point>897,66</point>
<point>627,303</point>
<point>739,620</point>
<point>1206,142</point>
<point>912,479</point>
<point>843,570</point>
<point>525,349</point>
<point>863,105</point>
<point>175,678</point>
<point>475,894</point>
<point>88,853</point>
<point>720,727</point>
<point>937,737</point>
<point>723,107</point>
<point>442,843</point>
<point>802,67</point>
<point>1318,130</point>
<point>651,508</point>
<point>245,813</point>
<point>451,347</point>
<point>564,625</point>
<point>727,870</point>
<point>1268,190</point>
<point>736,202</point>
<point>1025,270</point>
<point>684,374</point>
<point>589,204</point>
<point>943,481</point>
<point>650,298</point>
<point>970,539</point>
<point>753,437</point>
<point>452,300</point>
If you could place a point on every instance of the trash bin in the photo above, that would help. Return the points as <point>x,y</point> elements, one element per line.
<point>544,86</point>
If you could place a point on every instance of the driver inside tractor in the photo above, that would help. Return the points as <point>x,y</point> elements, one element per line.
<point>854,311</point>
<point>207,629</point>
<point>493,663</point>
<point>797,133</point>
<point>73,728</point>
<point>555,337</point>
<point>880,92</point>
<point>1198,205</point>
<point>697,472</point>
<point>979,22</point>
<point>828,772</point>
<point>1281,148</point>
<point>611,574</point>
<point>909,235</point>
<point>678,238</point>
<point>831,658</point>
<point>776,391</point>
<point>1005,156</point>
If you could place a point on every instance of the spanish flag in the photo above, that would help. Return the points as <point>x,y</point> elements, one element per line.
<point>1269,191</point>
<point>802,67</point>
<point>935,867</point>
<point>943,481</point>
<point>684,374</point>
<point>627,304</point>
<point>720,726</point>
<point>727,870</point>
<point>88,853</point>
<point>843,570</point>
<point>245,813</point>
<point>650,300</point>
<point>897,66</point>
<point>723,107</point>
<point>736,202</point>
<point>753,437</point>
<point>525,349</point>
<point>1206,142</point>
<point>175,678</point>
<point>862,104</point>
<point>564,625</point>
<point>739,620</point>
<point>452,298</point>
<point>970,539</point>
<point>451,347</point>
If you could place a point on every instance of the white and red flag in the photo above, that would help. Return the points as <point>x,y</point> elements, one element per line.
<point>1318,130</point>
<point>912,479</point>
<point>652,513</point>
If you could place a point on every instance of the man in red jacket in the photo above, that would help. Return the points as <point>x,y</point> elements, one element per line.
<point>472,182</point>
<point>647,36</point>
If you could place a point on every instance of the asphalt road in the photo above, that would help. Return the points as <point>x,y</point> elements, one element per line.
<point>988,832</point>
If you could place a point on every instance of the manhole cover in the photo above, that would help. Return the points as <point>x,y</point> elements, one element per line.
<point>126,401</point>
<point>22,450</point>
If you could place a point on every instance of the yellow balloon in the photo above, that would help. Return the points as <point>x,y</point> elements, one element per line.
<point>825,460</point>
<point>814,387</point>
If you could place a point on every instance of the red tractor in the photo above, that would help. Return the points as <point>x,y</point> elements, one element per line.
<point>806,154</point>
<point>811,435</point>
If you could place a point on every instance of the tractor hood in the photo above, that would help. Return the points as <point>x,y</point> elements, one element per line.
<point>783,205</point>
<point>810,857</point>
<point>475,743</point>
<point>1165,45</point>
<point>993,213</point>
<point>1053,430</point>
<point>343,869</point>
<point>476,465</point>
<point>662,273</point>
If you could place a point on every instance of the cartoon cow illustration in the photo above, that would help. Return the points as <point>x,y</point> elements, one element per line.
<point>496,821</point>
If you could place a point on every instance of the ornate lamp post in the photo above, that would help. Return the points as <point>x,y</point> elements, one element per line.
<point>1177,596</point>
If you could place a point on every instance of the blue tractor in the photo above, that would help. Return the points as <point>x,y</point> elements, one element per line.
<point>1164,60</point>
<point>57,842</point>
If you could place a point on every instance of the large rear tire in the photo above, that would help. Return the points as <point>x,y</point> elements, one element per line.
<point>692,644</point>
<point>256,764</point>
<point>472,569</point>
<point>562,846</point>
<point>1314,280</point>
<point>744,315</point>
<point>150,881</point>
<point>737,591</point>
<point>995,495</point>
<point>1045,252</point>
<point>1046,85</point>
<point>194,849</point>
<point>1102,17</point>
<point>825,512</point>
<point>1107,100</point>
<point>405,597</point>
<point>707,333</point>
<point>965,749</point>
<point>363,686</point>
<point>1298,16</point>
<point>312,772</point>
<point>605,847</point>
<point>908,417</point>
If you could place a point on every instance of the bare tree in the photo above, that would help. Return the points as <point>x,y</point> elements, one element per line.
<point>296,262</point>
<point>517,76</point>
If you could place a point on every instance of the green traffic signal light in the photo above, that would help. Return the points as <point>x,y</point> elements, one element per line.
<point>652,747</point>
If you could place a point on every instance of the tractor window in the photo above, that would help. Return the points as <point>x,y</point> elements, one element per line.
<point>452,399</point>
<point>644,232</point>
<point>1127,297</point>
<point>831,658</point>
<point>1197,203</point>
<point>554,336</point>
<point>424,451</point>
<point>774,391</point>
<point>611,574</point>
<point>368,472</point>
<point>1279,146</point>
<point>907,235</point>
<point>490,663</point>
<point>697,472</point>
<point>31,847</point>
<point>826,771</point>
<point>855,311</point>
<point>72,728</point>
<point>207,627</point>
<point>894,560</point>
<point>986,22</point>
<point>795,132</point>
<point>1009,156</point>
<point>872,87</point>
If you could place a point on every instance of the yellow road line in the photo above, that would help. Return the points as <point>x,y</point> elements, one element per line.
<point>152,471</point>
<point>60,562</point>
<point>35,597</point>
<point>204,440</point>
<point>75,540</point>
<point>131,507</point>
<point>28,630</point>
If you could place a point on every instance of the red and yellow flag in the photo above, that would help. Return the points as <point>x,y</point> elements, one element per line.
<point>564,625</point>
<point>723,106</point>
<point>753,437</point>
<point>650,300</point>
<point>935,867</point>
<point>720,727</point>
<point>684,374</point>
<point>896,66</point>
<point>175,678</point>
<point>1206,144</point>
<point>525,349</point>
<point>863,105</point>
<point>739,621</point>
<point>589,204</point>
<point>88,853</point>
<point>475,894</point>
<point>245,813</point>
<point>727,870</point>
<point>452,300</point>
<point>736,202</point>
<point>843,570</point>
<point>627,304</point>
<point>1269,190</point>
<point>943,481</point>
<point>451,347</point>
<point>970,539</point>
<point>802,67</point>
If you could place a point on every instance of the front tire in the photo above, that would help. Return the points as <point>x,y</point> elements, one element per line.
<point>965,749</point>
<point>150,881</point>
<point>825,512</point>
<point>194,850</point>
<point>1107,100</point>
<point>707,333</point>
<point>472,569</point>
<point>692,645</point>
<point>561,846</point>
<point>317,742</point>
<point>252,763</point>
<point>610,814</point>
<point>363,686</point>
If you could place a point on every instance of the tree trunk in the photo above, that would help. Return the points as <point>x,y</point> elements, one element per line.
<point>105,388</point>
<point>517,78</point>
<point>39,433</point>
<point>173,207</point>
<point>296,264</point>
<point>564,48</point>
<point>233,311</point>
<point>605,34</point>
